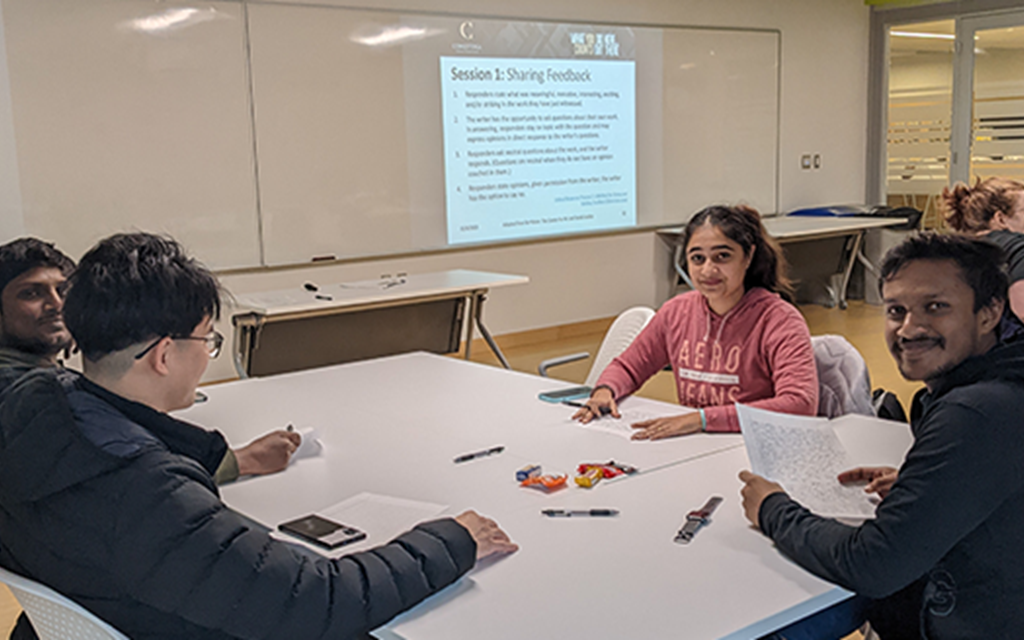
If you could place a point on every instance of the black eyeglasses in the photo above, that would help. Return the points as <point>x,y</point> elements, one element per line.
<point>214,342</point>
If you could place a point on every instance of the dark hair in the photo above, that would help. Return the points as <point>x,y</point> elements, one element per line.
<point>25,254</point>
<point>971,209</point>
<point>982,264</point>
<point>133,287</point>
<point>742,225</point>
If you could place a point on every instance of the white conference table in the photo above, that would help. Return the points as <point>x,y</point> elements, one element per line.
<point>393,426</point>
<point>786,229</point>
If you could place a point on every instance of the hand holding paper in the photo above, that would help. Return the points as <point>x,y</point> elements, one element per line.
<point>804,456</point>
<point>310,445</point>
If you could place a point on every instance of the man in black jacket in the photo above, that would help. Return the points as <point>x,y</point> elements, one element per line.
<point>103,498</point>
<point>942,556</point>
<point>33,279</point>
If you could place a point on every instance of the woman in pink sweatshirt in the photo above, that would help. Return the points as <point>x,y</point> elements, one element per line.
<point>733,339</point>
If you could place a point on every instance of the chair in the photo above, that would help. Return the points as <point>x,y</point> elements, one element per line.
<point>620,335</point>
<point>844,385</point>
<point>54,616</point>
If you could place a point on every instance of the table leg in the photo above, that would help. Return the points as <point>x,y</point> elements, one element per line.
<point>471,314</point>
<point>858,238</point>
<point>677,258</point>
<point>478,310</point>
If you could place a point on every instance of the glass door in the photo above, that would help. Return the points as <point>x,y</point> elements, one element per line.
<point>989,139</point>
<point>955,106</point>
<point>921,57</point>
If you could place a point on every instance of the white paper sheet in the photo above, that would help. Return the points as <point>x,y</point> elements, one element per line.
<point>804,455</point>
<point>310,446</point>
<point>622,426</point>
<point>382,518</point>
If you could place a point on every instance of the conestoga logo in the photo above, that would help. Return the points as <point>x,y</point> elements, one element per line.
<point>940,593</point>
<point>594,44</point>
<point>466,30</point>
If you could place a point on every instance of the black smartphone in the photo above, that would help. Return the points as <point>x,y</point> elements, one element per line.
<point>572,393</point>
<point>322,532</point>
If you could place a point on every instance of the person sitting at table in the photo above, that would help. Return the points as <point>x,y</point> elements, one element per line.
<point>96,504</point>
<point>941,556</point>
<point>993,209</point>
<point>732,339</point>
<point>33,278</point>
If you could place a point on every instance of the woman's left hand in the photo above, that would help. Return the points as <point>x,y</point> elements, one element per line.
<point>671,427</point>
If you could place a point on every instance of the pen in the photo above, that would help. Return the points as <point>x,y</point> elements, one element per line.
<point>572,403</point>
<point>466,457</point>
<point>575,513</point>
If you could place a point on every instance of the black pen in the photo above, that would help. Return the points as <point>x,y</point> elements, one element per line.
<point>466,457</point>
<point>575,513</point>
<point>572,403</point>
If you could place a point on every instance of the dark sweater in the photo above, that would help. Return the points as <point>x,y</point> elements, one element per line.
<point>1013,245</point>
<point>95,505</point>
<point>943,550</point>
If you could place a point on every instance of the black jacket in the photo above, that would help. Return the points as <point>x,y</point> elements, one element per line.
<point>95,505</point>
<point>943,550</point>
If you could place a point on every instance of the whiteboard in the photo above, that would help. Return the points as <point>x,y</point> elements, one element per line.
<point>127,120</point>
<point>265,134</point>
<point>349,135</point>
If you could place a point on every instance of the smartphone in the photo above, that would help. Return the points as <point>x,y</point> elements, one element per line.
<point>322,532</point>
<point>560,395</point>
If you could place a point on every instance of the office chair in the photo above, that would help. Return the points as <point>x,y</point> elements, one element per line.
<point>620,335</point>
<point>54,616</point>
<point>843,382</point>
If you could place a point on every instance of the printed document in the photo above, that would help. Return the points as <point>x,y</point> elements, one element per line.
<point>805,456</point>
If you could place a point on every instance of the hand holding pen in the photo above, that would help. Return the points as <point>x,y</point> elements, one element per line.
<point>600,403</point>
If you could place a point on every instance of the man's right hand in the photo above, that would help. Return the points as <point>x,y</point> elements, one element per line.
<point>879,479</point>
<point>267,454</point>
<point>600,403</point>
<point>489,537</point>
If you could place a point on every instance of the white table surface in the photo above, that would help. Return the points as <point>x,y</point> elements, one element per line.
<point>367,292</point>
<point>392,426</point>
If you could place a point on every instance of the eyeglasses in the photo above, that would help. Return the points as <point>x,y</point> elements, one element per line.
<point>214,342</point>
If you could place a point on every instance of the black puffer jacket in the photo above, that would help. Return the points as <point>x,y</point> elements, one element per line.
<point>96,506</point>
<point>943,551</point>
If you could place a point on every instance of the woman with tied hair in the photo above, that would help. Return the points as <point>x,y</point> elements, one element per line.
<point>994,210</point>
<point>732,339</point>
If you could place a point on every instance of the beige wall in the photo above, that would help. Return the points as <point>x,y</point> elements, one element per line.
<point>823,110</point>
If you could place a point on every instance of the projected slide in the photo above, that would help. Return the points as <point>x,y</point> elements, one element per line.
<point>537,146</point>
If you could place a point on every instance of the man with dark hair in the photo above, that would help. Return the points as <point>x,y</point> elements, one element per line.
<point>941,556</point>
<point>103,498</point>
<point>33,274</point>
<point>33,279</point>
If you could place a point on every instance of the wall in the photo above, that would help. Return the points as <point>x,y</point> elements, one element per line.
<point>823,110</point>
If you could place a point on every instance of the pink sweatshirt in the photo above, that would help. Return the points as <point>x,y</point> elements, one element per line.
<point>758,354</point>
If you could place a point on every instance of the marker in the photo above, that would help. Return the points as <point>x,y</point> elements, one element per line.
<point>572,403</point>
<point>576,513</point>
<point>320,296</point>
<point>466,457</point>
<point>309,286</point>
<point>289,428</point>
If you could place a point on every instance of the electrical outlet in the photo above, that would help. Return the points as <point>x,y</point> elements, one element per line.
<point>805,161</point>
<point>817,161</point>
